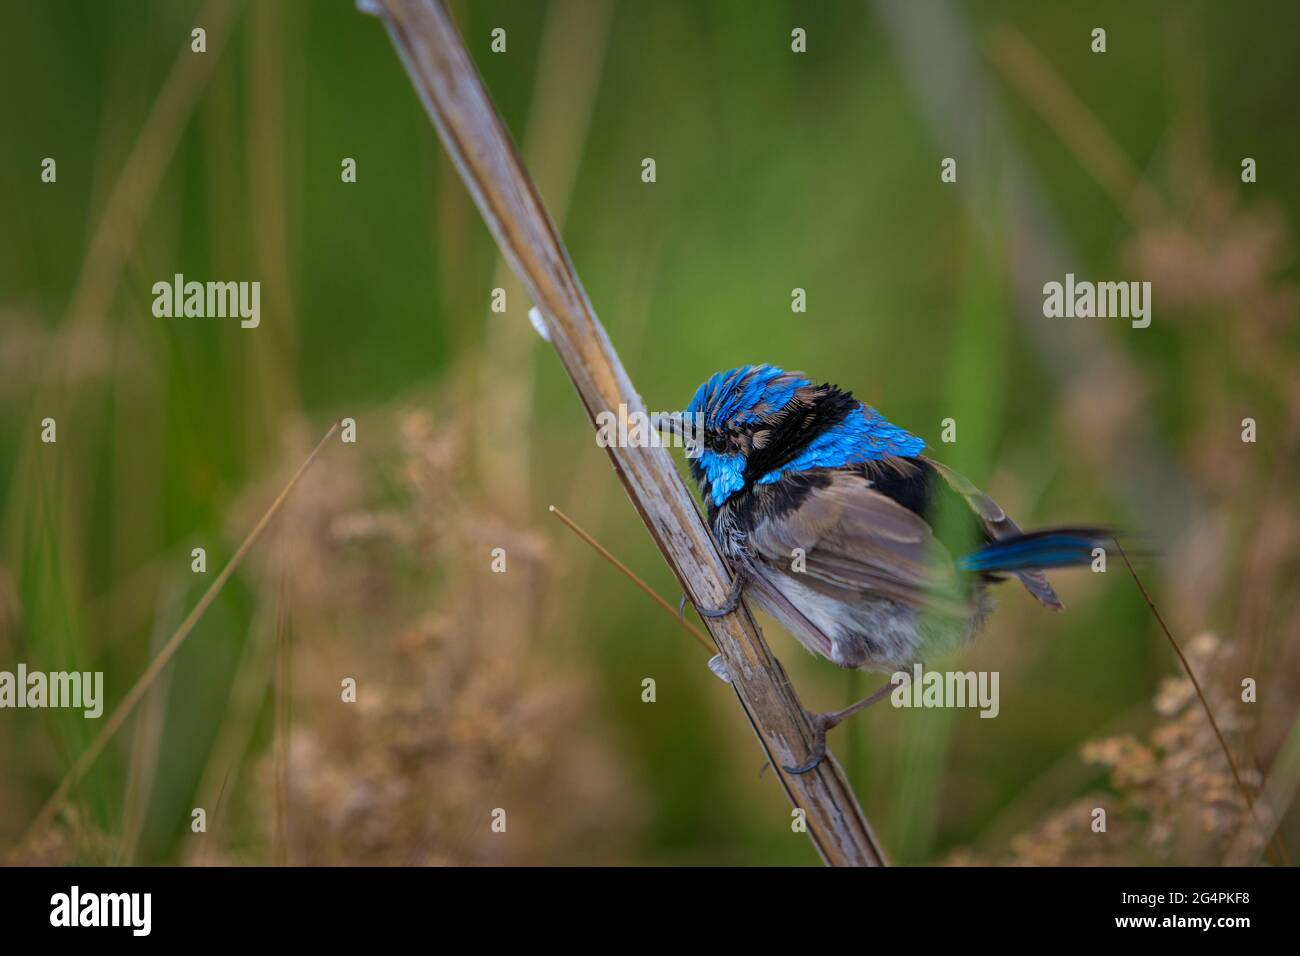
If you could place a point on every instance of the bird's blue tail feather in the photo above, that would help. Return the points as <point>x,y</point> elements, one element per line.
<point>1050,548</point>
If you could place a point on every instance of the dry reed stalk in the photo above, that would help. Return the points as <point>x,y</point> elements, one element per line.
<point>454,97</point>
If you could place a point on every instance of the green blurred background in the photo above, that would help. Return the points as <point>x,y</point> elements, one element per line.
<point>775,170</point>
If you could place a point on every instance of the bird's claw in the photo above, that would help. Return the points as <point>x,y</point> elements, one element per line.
<point>822,723</point>
<point>728,606</point>
<point>820,726</point>
<point>723,611</point>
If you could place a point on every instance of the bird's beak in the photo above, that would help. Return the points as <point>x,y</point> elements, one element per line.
<point>675,425</point>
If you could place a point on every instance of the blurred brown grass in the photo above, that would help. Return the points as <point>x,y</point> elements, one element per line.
<point>458,711</point>
<point>1169,798</point>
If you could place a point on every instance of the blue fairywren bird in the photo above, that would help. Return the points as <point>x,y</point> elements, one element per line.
<point>869,552</point>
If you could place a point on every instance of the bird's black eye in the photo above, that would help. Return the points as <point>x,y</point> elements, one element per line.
<point>714,441</point>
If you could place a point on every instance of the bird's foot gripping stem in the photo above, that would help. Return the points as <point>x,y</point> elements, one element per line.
<point>822,723</point>
<point>728,606</point>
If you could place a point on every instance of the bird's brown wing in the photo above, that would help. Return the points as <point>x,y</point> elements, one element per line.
<point>855,541</point>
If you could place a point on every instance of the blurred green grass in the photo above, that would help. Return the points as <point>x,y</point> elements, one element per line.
<point>774,171</point>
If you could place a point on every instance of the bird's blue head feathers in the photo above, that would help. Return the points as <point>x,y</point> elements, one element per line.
<point>761,423</point>
<point>734,398</point>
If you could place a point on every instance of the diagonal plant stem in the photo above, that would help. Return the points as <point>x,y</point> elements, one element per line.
<point>1196,685</point>
<point>146,680</point>
<point>481,149</point>
<point>604,552</point>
